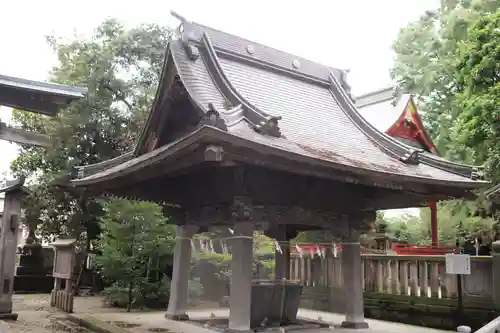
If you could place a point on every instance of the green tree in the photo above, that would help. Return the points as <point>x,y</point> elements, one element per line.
<point>426,53</point>
<point>121,68</point>
<point>478,98</point>
<point>133,232</point>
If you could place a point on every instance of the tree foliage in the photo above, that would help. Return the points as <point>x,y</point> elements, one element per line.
<point>133,233</point>
<point>121,68</point>
<point>444,58</point>
<point>478,98</point>
<point>425,64</point>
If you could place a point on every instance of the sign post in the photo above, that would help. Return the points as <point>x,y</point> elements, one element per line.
<point>458,264</point>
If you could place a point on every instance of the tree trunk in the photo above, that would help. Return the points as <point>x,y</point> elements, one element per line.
<point>130,289</point>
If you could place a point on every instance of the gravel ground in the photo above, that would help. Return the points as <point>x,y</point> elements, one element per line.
<point>37,316</point>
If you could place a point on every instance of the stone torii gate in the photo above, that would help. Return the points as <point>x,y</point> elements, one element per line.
<point>38,97</point>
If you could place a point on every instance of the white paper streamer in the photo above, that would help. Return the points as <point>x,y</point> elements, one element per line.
<point>318,251</point>
<point>299,250</point>
<point>278,247</point>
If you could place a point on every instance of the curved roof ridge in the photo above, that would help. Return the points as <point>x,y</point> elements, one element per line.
<point>389,145</point>
<point>87,170</point>
<point>260,121</point>
<point>433,160</point>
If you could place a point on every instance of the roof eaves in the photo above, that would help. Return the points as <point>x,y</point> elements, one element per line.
<point>211,133</point>
<point>87,170</point>
<point>396,148</point>
<point>389,145</point>
<point>137,162</point>
<point>14,185</point>
<point>375,97</point>
<point>492,191</point>
<point>262,122</point>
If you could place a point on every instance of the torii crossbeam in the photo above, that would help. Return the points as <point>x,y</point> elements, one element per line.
<point>34,96</point>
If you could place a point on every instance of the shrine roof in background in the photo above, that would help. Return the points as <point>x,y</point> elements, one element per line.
<point>35,96</point>
<point>247,95</point>
<point>381,108</point>
<point>13,185</point>
<point>396,114</point>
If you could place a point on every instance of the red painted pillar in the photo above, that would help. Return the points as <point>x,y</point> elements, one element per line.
<point>434,223</point>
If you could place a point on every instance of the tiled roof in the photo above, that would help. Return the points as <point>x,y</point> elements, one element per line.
<point>293,105</point>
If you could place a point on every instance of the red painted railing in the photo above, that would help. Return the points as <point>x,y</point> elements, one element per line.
<point>400,249</point>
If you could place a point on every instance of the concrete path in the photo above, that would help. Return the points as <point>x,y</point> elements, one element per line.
<point>376,326</point>
<point>157,320</point>
<point>36,316</point>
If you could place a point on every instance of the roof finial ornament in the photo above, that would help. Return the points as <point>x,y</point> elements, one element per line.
<point>178,16</point>
<point>397,94</point>
<point>213,118</point>
<point>186,36</point>
<point>411,157</point>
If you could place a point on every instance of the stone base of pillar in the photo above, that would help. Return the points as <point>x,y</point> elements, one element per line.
<point>354,325</point>
<point>177,317</point>
<point>8,316</point>
<point>230,330</point>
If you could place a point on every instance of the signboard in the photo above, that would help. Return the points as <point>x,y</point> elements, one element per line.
<point>458,264</point>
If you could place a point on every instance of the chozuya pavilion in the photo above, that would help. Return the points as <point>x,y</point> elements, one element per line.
<point>249,137</point>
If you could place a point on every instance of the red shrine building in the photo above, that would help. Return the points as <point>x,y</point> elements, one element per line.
<point>396,114</point>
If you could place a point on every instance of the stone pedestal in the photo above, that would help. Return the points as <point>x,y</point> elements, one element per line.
<point>353,285</point>
<point>240,296</point>
<point>495,259</point>
<point>277,302</point>
<point>180,276</point>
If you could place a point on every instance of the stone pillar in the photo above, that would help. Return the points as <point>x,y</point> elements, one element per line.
<point>353,283</point>
<point>8,249</point>
<point>241,277</point>
<point>180,275</point>
<point>495,256</point>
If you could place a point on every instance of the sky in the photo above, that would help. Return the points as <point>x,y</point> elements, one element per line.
<point>348,34</point>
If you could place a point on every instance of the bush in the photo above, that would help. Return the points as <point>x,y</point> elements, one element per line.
<point>153,295</point>
<point>195,291</point>
<point>134,235</point>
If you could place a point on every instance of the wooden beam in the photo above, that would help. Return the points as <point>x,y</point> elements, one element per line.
<point>24,137</point>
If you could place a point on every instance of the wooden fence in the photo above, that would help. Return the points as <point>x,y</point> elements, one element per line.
<point>395,284</point>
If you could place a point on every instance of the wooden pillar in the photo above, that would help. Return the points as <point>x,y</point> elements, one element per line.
<point>434,223</point>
